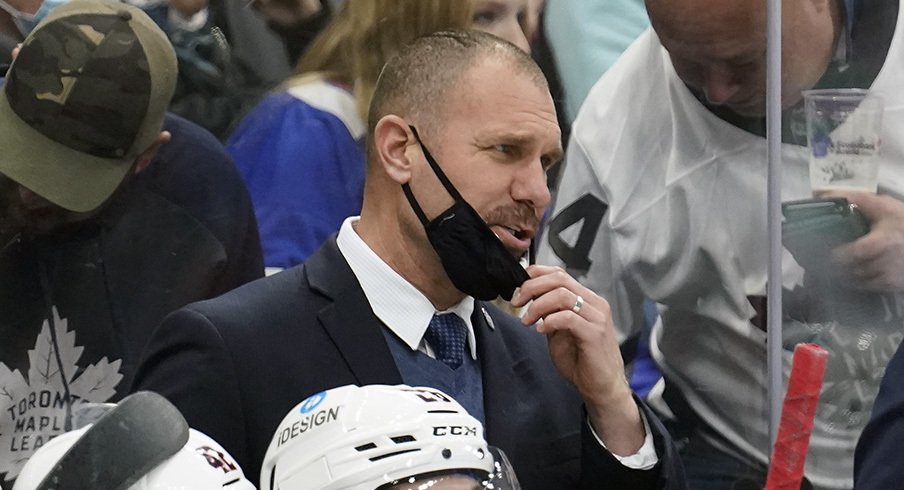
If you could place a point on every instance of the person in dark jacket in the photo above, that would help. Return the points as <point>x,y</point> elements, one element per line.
<point>112,214</point>
<point>395,298</point>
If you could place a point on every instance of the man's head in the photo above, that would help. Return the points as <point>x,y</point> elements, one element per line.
<point>483,110</point>
<point>82,107</point>
<point>718,47</point>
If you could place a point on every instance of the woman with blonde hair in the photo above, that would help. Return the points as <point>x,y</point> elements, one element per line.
<point>301,150</point>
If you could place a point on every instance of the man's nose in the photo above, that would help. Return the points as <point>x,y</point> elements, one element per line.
<point>531,187</point>
<point>720,84</point>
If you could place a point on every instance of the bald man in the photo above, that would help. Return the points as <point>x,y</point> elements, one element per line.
<point>664,197</point>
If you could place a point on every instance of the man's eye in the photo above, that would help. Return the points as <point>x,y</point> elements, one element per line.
<point>502,148</point>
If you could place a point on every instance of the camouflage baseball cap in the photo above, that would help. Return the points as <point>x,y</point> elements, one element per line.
<point>85,96</point>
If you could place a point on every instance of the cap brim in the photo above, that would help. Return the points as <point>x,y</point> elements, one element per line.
<point>68,178</point>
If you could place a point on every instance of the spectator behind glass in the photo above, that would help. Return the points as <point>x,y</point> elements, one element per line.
<point>301,149</point>
<point>664,196</point>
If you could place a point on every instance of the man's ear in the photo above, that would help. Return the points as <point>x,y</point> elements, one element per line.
<point>147,156</point>
<point>392,141</point>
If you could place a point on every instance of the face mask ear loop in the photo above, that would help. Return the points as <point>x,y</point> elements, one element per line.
<point>414,205</point>
<point>436,168</point>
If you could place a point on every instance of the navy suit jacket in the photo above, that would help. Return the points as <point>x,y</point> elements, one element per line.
<point>236,365</point>
<point>877,460</point>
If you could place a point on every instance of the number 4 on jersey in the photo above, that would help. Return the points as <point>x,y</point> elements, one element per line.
<point>588,209</point>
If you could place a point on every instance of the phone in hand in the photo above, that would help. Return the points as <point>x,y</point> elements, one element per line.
<point>813,227</point>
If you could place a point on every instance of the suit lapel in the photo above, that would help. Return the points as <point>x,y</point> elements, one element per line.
<point>349,320</point>
<point>497,367</point>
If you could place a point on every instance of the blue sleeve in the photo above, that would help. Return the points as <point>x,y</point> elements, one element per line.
<point>305,173</point>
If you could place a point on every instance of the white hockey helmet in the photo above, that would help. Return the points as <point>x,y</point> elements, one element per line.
<point>90,456</point>
<point>201,464</point>
<point>364,438</point>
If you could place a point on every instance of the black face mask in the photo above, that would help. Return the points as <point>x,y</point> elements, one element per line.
<point>477,263</point>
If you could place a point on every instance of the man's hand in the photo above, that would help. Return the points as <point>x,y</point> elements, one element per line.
<point>583,346</point>
<point>875,261</point>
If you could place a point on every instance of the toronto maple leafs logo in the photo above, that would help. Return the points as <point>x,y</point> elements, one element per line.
<point>33,410</point>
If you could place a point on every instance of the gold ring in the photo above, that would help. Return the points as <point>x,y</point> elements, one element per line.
<point>578,304</point>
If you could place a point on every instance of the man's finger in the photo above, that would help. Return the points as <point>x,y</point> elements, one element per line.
<point>560,299</point>
<point>563,321</point>
<point>866,248</point>
<point>545,279</point>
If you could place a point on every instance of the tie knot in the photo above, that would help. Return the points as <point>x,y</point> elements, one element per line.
<point>447,335</point>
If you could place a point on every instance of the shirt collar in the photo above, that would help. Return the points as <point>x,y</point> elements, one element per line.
<point>396,302</point>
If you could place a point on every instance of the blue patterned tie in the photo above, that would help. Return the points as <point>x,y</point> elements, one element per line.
<point>447,334</point>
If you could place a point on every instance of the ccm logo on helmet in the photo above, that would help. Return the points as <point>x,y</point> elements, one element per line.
<point>308,422</point>
<point>454,430</point>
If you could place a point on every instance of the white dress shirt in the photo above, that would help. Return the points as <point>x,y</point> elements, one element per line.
<point>407,313</point>
<point>398,304</point>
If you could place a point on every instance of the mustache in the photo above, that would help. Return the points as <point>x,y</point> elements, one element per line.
<point>521,214</point>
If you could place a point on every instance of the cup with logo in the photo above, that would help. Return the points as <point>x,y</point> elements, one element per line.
<point>843,137</point>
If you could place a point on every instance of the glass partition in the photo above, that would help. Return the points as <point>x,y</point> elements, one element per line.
<point>840,283</point>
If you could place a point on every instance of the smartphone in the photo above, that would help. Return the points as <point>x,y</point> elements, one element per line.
<point>813,227</point>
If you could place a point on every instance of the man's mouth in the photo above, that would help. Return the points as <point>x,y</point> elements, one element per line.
<point>516,239</point>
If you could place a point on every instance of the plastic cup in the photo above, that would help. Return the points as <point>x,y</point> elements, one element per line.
<point>843,132</point>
